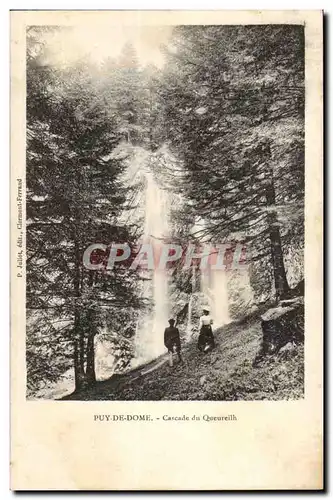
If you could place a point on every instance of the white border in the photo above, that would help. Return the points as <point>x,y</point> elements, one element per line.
<point>4,185</point>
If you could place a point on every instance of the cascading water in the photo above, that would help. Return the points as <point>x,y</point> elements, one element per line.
<point>149,338</point>
<point>247,295</point>
<point>220,306</point>
<point>214,286</point>
<point>189,326</point>
<point>105,362</point>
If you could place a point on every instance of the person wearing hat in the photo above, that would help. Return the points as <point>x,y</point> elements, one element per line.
<point>206,338</point>
<point>172,341</point>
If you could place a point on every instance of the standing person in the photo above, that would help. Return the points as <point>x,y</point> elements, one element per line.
<point>172,341</point>
<point>206,338</point>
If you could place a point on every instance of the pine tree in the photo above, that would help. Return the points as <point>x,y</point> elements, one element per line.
<point>233,100</point>
<point>74,199</point>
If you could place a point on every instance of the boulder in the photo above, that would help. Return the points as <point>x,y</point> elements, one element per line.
<point>282,325</point>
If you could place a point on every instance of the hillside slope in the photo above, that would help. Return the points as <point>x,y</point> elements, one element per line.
<point>224,374</point>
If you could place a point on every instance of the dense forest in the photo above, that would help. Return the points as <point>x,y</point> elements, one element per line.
<point>221,127</point>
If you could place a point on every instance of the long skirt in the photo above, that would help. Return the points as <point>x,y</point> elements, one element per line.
<point>206,338</point>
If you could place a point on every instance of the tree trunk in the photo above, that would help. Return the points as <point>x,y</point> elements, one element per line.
<point>280,278</point>
<point>79,357</point>
<point>90,370</point>
<point>79,373</point>
<point>77,365</point>
<point>90,346</point>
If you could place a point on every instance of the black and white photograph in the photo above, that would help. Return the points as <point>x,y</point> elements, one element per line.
<point>165,212</point>
<point>166,228</point>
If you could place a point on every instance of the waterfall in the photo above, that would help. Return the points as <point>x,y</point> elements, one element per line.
<point>105,362</point>
<point>190,305</point>
<point>219,290</point>
<point>214,286</point>
<point>247,295</point>
<point>150,334</point>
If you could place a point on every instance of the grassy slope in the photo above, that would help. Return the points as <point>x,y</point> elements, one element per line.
<point>224,374</point>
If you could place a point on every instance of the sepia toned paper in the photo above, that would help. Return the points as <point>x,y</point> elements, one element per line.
<point>259,444</point>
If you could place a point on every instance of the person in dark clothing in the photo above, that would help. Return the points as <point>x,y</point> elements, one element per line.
<point>172,341</point>
<point>206,341</point>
